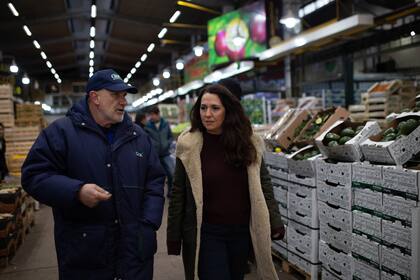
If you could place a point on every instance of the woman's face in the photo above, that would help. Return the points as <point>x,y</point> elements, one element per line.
<point>212,113</point>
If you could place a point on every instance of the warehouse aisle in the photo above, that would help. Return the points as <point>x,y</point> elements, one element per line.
<point>36,258</point>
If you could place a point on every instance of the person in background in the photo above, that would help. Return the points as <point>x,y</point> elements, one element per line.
<point>141,119</point>
<point>222,198</point>
<point>4,171</point>
<point>160,133</point>
<point>233,86</point>
<point>101,176</point>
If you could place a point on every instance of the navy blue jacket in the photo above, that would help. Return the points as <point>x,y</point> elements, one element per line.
<point>115,237</point>
<point>161,138</point>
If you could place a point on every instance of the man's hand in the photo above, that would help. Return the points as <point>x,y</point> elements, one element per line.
<point>91,194</point>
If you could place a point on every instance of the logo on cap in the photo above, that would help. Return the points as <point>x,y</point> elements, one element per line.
<point>115,77</point>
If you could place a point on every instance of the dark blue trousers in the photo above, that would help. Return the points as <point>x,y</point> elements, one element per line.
<point>224,252</point>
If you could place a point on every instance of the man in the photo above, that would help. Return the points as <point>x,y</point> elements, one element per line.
<point>100,174</point>
<point>160,132</point>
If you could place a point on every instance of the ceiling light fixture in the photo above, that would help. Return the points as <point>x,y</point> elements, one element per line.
<point>91,70</point>
<point>92,31</point>
<point>91,54</point>
<point>13,67</point>
<point>198,51</point>
<point>174,17</point>
<point>289,20</point>
<point>56,76</point>
<point>166,74</point>
<point>413,33</point>
<point>179,64</point>
<point>48,64</point>
<point>90,74</point>
<point>92,44</point>
<point>150,47</point>
<point>138,63</point>
<point>143,57</point>
<point>162,33</point>
<point>36,44</point>
<point>27,31</point>
<point>129,75</point>
<point>13,9</point>
<point>59,81</point>
<point>156,82</point>
<point>91,62</point>
<point>43,55</point>
<point>93,11</point>
<point>125,80</point>
<point>53,71</point>
<point>133,70</point>
<point>25,79</point>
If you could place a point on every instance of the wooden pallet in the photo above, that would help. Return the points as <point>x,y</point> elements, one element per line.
<point>290,268</point>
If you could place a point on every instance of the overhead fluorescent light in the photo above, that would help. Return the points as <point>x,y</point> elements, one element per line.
<point>43,55</point>
<point>46,107</point>
<point>59,81</point>
<point>198,51</point>
<point>189,87</point>
<point>13,9</point>
<point>53,71</point>
<point>143,57</point>
<point>125,80</point>
<point>92,44</point>
<point>25,79</point>
<point>156,82</point>
<point>56,76</point>
<point>150,47</point>
<point>90,74</point>
<point>348,25</point>
<point>92,31</point>
<point>91,70</point>
<point>174,17</point>
<point>93,11</point>
<point>137,65</point>
<point>179,64</point>
<point>129,75</point>
<point>229,71</point>
<point>162,33</point>
<point>91,54</point>
<point>48,64</point>
<point>27,31</point>
<point>166,74</point>
<point>36,44</point>
<point>91,62</point>
<point>133,70</point>
<point>13,67</point>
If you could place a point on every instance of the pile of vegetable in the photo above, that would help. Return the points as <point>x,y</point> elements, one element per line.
<point>403,128</point>
<point>299,128</point>
<point>307,154</point>
<point>340,138</point>
<point>316,125</point>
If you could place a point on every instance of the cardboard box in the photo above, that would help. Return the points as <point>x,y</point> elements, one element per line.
<point>401,180</point>
<point>276,160</point>
<point>337,173</point>
<point>350,151</point>
<point>302,206</point>
<point>366,175</point>
<point>397,207</point>
<point>394,233</point>
<point>303,241</point>
<point>278,249</point>
<point>6,91</point>
<point>393,152</point>
<point>280,194</point>
<point>366,199</point>
<point>364,271</point>
<point>278,173</point>
<point>366,249</point>
<point>285,136</point>
<point>392,259</point>
<point>305,265</point>
<point>335,194</point>
<point>302,168</point>
<point>391,275</point>
<point>283,210</point>
<point>280,125</point>
<point>336,217</point>
<point>364,223</point>
<point>335,260</point>
<point>337,237</point>
<point>335,115</point>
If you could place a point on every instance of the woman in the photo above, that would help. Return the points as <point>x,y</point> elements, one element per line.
<point>222,194</point>
<point>4,171</point>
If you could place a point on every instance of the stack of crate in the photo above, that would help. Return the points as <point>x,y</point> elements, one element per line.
<point>6,105</point>
<point>334,204</point>
<point>19,140</point>
<point>29,115</point>
<point>408,93</point>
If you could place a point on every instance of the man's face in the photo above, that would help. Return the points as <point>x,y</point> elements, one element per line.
<point>154,117</point>
<point>110,106</point>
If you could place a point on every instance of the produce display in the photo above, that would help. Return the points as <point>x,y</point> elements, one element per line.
<point>403,128</point>
<point>254,110</point>
<point>340,138</point>
<point>315,126</point>
<point>307,154</point>
<point>301,126</point>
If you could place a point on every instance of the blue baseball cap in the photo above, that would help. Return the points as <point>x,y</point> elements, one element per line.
<point>110,80</point>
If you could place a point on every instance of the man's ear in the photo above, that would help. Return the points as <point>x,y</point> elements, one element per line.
<point>94,96</point>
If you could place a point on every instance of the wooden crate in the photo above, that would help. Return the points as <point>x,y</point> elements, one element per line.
<point>21,147</point>
<point>20,134</point>
<point>15,162</point>
<point>6,91</point>
<point>28,108</point>
<point>6,106</point>
<point>8,120</point>
<point>36,121</point>
<point>28,115</point>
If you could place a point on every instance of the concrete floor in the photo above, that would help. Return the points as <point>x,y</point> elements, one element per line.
<point>36,258</point>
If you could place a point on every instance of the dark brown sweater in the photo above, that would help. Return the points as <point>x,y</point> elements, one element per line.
<point>225,187</point>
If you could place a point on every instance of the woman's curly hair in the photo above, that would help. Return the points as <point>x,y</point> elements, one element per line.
<point>236,128</point>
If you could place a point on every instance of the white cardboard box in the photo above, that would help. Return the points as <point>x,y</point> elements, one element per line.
<point>277,173</point>
<point>338,218</point>
<point>368,199</point>
<point>303,241</point>
<point>398,207</point>
<point>337,237</point>
<point>390,275</point>
<point>307,181</point>
<point>279,249</point>
<point>302,206</point>
<point>335,260</point>
<point>328,275</point>
<point>364,271</point>
<point>367,174</point>
<point>364,223</point>
<point>402,180</point>
<point>350,151</point>
<point>362,247</point>
<point>393,152</point>
<point>305,265</point>
<point>395,233</point>
<point>304,168</point>
<point>337,173</point>
<point>280,193</point>
<point>335,194</point>
<point>395,260</point>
